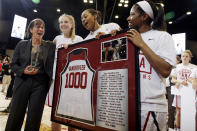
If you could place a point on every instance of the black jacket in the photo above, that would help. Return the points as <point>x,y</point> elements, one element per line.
<point>22,56</point>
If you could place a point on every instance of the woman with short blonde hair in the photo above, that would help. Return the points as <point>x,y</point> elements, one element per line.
<point>67,37</point>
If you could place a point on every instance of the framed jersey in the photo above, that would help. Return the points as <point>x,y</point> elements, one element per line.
<point>96,85</point>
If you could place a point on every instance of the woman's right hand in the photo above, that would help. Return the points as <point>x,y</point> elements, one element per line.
<point>29,70</point>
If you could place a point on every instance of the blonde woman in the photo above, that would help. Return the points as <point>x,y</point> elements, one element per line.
<point>67,37</point>
<point>180,76</point>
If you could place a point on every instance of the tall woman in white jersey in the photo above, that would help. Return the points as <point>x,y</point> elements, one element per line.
<point>180,76</point>
<point>91,19</point>
<point>157,56</point>
<point>67,27</point>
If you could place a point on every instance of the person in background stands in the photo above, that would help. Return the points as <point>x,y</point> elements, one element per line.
<point>6,73</point>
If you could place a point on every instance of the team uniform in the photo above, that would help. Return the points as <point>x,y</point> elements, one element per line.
<point>60,41</point>
<point>75,97</point>
<point>152,84</point>
<point>181,72</point>
<point>106,28</point>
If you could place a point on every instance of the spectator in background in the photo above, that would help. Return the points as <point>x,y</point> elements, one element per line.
<point>6,73</point>
<point>9,92</point>
<point>180,76</point>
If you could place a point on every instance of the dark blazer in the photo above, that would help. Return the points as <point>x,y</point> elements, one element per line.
<point>22,56</point>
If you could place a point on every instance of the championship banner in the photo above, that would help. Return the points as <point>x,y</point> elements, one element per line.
<point>96,85</point>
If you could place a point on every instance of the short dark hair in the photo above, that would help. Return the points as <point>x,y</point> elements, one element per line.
<point>32,23</point>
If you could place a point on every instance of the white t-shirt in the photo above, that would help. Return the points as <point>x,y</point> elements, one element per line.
<point>153,84</point>
<point>106,28</point>
<point>182,72</point>
<point>60,41</point>
<point>194,73</point>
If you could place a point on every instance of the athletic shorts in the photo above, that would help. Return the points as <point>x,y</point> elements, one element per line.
<point>151,121</point>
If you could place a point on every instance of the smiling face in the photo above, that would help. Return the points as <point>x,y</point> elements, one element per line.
<point>36,28</point>
<point>65,25</point>
<point>88,20</point>
<point>38,31</point>
<point>135,19</point>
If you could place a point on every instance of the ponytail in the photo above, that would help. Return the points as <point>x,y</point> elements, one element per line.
<point>159,21</point>
<point>99,17</point>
